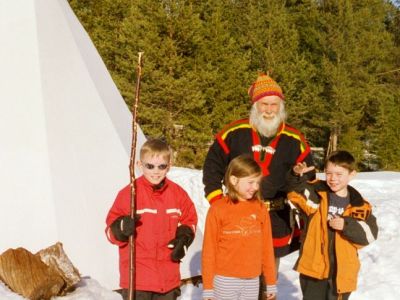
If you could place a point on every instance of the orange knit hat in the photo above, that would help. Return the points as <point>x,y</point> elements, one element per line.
<point>264,86</point>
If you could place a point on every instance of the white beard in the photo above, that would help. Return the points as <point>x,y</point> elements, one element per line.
<point>266,127</point>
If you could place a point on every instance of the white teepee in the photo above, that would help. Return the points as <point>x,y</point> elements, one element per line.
<point>65,135</point>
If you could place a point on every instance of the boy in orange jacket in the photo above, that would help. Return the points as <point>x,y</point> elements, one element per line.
<point>338,222</point>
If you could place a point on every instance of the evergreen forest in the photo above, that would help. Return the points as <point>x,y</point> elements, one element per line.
<point>337,61</point>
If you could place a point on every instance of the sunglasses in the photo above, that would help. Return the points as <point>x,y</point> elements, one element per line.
<point>151,166</point>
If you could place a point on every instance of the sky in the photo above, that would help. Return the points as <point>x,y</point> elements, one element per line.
<point>379,277</point>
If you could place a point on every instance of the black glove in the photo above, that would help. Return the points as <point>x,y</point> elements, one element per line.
<point>123,227</point>
<point>183,238</point>
<point>295,183</point>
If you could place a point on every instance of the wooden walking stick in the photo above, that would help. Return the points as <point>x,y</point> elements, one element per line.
<point>131,291</point>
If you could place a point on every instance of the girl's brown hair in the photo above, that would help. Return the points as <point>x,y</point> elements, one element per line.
<point>241,166</point>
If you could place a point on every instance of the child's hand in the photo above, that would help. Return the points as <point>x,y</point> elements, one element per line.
<point>183,238</point>
<point>123,227</point>
<point>336,223</point>
<point>270,296</point>
<point>302,168</point>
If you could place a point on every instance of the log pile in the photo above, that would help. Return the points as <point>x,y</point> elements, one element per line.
<point>38,276</point>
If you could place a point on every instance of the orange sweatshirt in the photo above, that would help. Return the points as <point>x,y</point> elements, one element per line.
<point>238,242</point>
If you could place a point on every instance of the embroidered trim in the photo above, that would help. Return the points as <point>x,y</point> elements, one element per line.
<point>264,164</point>
<point>214,194</point>
<point>260,148</point>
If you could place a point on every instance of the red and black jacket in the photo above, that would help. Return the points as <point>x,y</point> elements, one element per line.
<point>162,211</point>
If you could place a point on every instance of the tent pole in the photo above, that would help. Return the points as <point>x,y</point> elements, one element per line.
<point>132,181</point>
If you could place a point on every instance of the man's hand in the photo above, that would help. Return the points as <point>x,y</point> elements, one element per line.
<point>294,178</point>
<point>302,168</point>
<point>336,223</point>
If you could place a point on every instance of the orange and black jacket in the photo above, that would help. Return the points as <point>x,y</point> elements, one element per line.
<point>360,229</point>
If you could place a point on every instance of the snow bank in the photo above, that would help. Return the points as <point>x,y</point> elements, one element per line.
<point>379,275</point>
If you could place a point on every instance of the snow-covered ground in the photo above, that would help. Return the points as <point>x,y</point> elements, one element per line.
<point>380,272</point>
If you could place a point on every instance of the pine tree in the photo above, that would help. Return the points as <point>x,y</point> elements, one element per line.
<point>268,34</point>
<point>388,133</point>
<point>331,58</point>
<point>383,132</point>
<point>223,66</point>
<point>350,41</point>
<point>102,19</point>
<point>172,104</point>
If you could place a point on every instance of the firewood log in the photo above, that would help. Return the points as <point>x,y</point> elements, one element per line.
<point>25,274</point>
<point>56,258</point>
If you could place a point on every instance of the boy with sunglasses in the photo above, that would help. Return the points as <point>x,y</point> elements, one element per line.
<point>164,227</point>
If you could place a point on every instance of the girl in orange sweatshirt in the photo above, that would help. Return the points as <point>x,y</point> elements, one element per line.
<point>237,245</point>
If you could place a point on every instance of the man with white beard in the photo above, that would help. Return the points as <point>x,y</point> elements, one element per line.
<point>275,145</point>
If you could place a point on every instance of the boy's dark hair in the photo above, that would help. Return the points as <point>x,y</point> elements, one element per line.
<point>241,166</point>
<point>343,159</point>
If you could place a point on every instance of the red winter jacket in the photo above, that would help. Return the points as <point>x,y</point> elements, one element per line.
<point>161,211</point>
